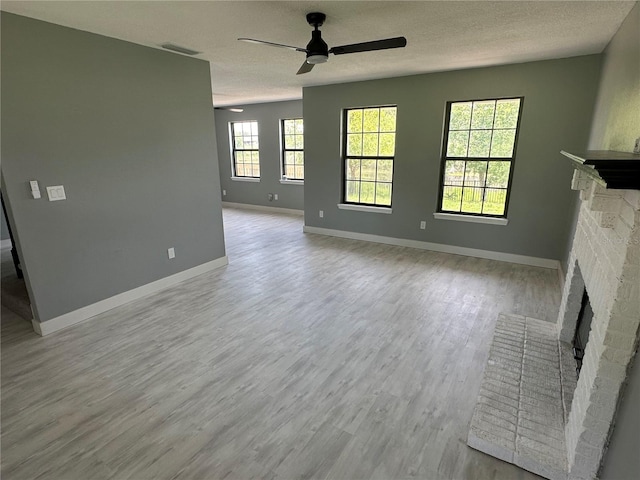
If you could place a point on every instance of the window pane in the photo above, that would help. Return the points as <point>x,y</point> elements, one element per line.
<point>256,170</point>
<point>479,143</point>
<point>507,113</point>
<point>454,172</point>
<point>498,174</point>
<point>370,144</point>
<point>353,191</point>
<point>290,171</point>
<point>388,119</point>
<point>482,116</point>
<point>289,157</point>
<point>367,192</point>
<point>237,142</point>
<point>387,144</point>
<point>354,121</point>
<point>353,169</point>
<point>383,194</point>
<point>240,170</point>
<point>246,128</point>
<point>289,141</point>
<point>475,174</point>
<point>299,172</point>
<point>368,170</point>
<point>354,145</point>
<point>289,127</point>
<point>255,157</point>
<point>502,143</point>
<point>385,171</point>
<point>299,126</point>
<point>457,144</point>
<point>472,200</point>
<point>460,116</point>
<point>299,142</point>
<point>254,142</point>
<point>494,201</point>
<point>451,198</point>
<point>254,128</point>
<point>300,158</point>
<point>371,120</point>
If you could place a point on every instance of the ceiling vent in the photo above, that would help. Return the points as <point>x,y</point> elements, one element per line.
<point>179,49</point>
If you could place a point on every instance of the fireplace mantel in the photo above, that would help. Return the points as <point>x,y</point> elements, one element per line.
<point>611,169</point>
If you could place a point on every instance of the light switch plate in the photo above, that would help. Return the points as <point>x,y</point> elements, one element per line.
<point>56,193</point>
<point>171,252</point>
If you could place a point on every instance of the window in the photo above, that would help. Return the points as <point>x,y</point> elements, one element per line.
<point>478,152</point>
<point>292,149</point>
<point>369,150</point>
<point>246,157</point>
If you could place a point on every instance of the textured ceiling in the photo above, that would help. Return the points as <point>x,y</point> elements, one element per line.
<point>441,35</point>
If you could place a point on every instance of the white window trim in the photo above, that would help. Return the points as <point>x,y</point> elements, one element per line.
<point>365,208</point>
<point>470,218</point>
<point>286,181</point>
<point>246,179</point>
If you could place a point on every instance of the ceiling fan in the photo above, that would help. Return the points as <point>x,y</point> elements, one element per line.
<point>317,50</point>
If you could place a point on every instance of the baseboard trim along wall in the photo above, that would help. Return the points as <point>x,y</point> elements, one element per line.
<point>264,208</point>
<point>5,243</point>
<point>438,247</point>
<point>90,311</point>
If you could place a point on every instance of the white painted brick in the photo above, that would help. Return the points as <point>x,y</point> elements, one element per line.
<point>628,214</point>
<point>632,197</point>
<point>580,180</point>
<point>619,341</point>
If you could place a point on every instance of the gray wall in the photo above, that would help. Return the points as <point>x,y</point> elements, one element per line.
<point>129,131</point>
<point>558,105</point>
<point>268,116</point>
<point>616,125</point>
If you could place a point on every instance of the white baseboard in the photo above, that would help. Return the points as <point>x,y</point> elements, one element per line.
<point>438,247</point>
<point>264,208</point>
<point>5,244</point>
<point>90,311</point>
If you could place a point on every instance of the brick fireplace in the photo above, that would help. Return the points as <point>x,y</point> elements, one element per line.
<point>604,259</point>
<point>532,409</point>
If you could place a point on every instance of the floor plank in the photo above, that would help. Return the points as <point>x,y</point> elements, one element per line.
<point>306,357</point>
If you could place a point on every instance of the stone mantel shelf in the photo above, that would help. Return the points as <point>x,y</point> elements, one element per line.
<point>611,169</point>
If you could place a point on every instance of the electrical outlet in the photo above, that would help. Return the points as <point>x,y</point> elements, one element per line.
<point>275,196</point>
<point>636,148</point>
<point>270,196</point>
<point>423,224</point>
<point>171,252</point>
<point>224,193</point>
<point>321,213</point>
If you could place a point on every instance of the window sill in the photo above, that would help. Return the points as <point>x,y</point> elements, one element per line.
<point>245,179</point>
<point>364,208</point>
<point>286,181</point>
<point>470,218</point>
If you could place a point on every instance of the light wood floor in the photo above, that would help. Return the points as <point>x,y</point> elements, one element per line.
<point>306,357</point>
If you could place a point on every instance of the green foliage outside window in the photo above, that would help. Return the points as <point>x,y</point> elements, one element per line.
<point>246,155</point>
<point>478,130</point>
<point>293,149</point>
<point>370,145</point>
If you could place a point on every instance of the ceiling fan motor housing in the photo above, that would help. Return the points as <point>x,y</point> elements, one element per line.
<point>317,49</point>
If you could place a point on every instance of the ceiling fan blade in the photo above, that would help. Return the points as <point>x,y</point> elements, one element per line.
<point>305,68</point>
<point>280,45</point>
<point>396,42</point>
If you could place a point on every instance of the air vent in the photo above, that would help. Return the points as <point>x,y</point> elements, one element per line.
<point>179,49</point>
